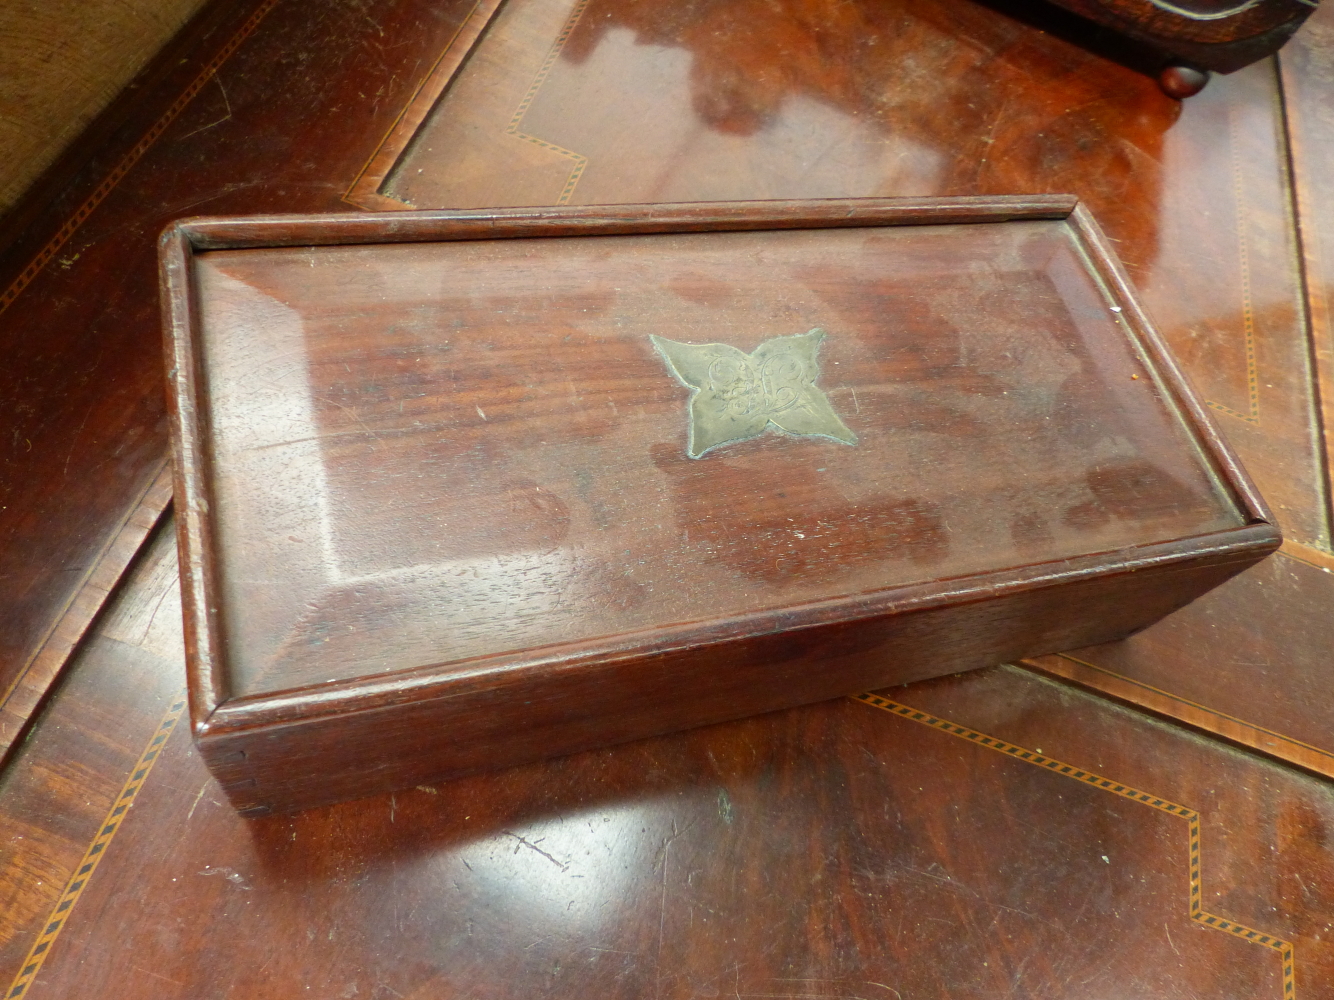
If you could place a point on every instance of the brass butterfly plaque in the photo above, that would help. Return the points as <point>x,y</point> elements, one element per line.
<point>737,396</point>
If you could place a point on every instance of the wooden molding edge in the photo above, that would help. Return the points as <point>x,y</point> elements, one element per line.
<point>364,191</point>
<point>1145,696</point>
<point>1305,88</point>
<point>1308,554</point>
<point>23,700</point>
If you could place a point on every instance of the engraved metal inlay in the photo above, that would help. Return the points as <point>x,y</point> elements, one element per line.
<point>737,396</point>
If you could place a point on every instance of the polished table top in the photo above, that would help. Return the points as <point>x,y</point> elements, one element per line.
<point>988,865</point>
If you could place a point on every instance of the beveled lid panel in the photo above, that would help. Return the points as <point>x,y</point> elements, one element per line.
<point>425,453</point>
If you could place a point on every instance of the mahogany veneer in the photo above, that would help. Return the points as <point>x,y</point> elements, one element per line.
<point>441,511</point>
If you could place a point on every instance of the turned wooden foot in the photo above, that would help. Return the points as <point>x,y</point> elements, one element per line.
<point>1182,81</point>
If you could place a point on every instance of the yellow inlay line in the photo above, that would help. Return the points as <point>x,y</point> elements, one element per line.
<point>1247,305</point>
<point>1192,818</point>
<point>115,817</point>
<point>416,95</point>
<point>580,161</point>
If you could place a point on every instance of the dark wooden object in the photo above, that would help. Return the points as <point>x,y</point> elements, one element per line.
<point>1219,35</point>
<point>1182,81</point>
<point>1194,196</point>
<point>438,515</point>
<point>837,845</point>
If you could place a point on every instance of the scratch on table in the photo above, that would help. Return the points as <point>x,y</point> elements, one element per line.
<point>156,975</point>
<point>195,803</point>
<point>533,847</point>
<point>226,103</point>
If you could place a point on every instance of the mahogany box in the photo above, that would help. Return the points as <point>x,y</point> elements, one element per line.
<point>461,490</point>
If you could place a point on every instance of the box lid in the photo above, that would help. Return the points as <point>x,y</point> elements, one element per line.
<point>417,447</point>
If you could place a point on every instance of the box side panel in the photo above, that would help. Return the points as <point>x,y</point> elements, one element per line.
<point>284,768</point>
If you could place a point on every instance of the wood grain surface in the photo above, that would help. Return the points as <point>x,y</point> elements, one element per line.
<point>434,485</point>
<point>1285,632</point>
<point>1048,116</point>
<point>56,802</point>
<point>548,109</point>
<point>988,834</point>
<point>1197,196</point>
<point>108,566</point>
<point>1197,20</point>
<point>1308,90</point>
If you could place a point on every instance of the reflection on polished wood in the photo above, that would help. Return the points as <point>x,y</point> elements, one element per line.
<point>990,833</point>
<point>943,99</point>
<point>79,379</point>
<point>846,860</point>
<point>1308,87</point>
<point>551,105</point>
<point>1217,270</point>
<point>1269,631</point>
<point>80,332</point>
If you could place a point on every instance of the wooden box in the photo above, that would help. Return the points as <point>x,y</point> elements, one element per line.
<point>462,490</point>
